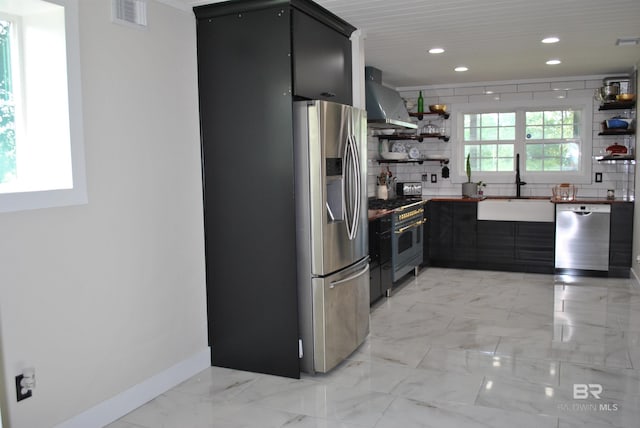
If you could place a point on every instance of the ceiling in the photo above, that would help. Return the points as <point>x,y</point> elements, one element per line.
<point>497,40</point>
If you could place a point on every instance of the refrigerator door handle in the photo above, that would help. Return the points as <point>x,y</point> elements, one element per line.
<point>346,167</point>
<point>350,190</point>
<point>350,278</point>
<point>355,188</point>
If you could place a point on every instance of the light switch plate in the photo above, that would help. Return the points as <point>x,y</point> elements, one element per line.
<point>598,177</point>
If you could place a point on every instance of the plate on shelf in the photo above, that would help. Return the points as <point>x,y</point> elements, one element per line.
<point>435,157</point>
<point>414,153</point>
<point>398,148</point>
<point>393,156</point>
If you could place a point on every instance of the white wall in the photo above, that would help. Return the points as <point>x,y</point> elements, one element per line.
<point>104,296</point>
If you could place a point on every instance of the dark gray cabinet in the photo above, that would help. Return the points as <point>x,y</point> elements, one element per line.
<point>321,61</point>
<point>516,246</point>
<point>457,239</point>
<point>381,272</point>
<point>621,239</point>
<point>245,79</point>
<point>452,233</point>
<point>496,243</point>
<point>534,246</point>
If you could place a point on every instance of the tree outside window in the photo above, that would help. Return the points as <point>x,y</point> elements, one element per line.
<point>7,108</point>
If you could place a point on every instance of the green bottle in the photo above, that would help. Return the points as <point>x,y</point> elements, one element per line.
<point>420,103</point>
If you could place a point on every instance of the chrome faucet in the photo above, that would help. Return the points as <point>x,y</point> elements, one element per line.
<point>519,182</point>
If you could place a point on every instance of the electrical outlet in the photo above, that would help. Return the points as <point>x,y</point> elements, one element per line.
<point>434,178</point>
<point>425,177</point>
<point>19,395</point>
<point>598,177</point>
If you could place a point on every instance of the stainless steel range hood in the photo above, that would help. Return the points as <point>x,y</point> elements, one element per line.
<point>385,108</point>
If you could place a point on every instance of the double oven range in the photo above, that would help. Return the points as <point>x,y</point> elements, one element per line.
<point>406,230</point>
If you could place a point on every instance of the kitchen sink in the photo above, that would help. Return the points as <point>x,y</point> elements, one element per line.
<point>516,209</point>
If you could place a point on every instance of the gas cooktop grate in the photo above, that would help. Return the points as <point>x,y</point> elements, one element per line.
<point>390,204</point>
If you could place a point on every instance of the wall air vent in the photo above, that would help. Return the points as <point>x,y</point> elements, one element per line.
<point>129,12</point>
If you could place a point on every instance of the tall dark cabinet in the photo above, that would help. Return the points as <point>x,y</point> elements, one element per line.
<point>254,58</point>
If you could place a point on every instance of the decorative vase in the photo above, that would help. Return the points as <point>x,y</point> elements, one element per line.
<point>382,192</point>
<point>469,190</point>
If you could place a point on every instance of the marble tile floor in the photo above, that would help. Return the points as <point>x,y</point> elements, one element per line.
<point>450,348</point>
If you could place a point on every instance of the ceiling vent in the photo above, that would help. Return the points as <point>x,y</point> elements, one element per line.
<point>129,12</point>
<point>628,41</point>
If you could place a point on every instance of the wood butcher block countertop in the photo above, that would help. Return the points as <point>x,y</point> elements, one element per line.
<point>556,201</point>
<point>375,214</point>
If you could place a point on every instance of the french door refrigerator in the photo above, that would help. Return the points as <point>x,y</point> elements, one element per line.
<point>331,231</point>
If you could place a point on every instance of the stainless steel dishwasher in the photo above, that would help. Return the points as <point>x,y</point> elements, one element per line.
<point>582,236</point>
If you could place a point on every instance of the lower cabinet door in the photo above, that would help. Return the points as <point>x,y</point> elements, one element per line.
<point>340,315</point>
<point>375,288</point>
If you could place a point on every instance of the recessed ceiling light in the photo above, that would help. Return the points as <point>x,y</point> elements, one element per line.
<point>461,68</point>
<point>488,92</point>
<point>550,40</point>
<point>436,50</point>
<point>554,62</point>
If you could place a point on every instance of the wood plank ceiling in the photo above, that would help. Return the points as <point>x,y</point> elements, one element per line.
<point>497,39</point>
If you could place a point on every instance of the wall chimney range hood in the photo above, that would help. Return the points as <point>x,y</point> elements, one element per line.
<point>385,108</point>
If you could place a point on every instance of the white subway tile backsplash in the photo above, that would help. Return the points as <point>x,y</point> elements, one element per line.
<point>534,87</point>
<point>501,89</point>
<point>472,90</point>
<point>615,176</point>
<point>461,99</point>
<point>485,98</point>
<point>581,93</point>
<point>592,84</point>
<point>516,96</point>
<point>568,85</point>
<point>438,92</point>
<point>548,95</point>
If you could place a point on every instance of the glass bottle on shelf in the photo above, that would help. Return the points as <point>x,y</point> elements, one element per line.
<point>420,103</point>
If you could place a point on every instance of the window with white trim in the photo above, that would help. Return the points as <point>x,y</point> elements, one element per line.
<point>553,140</point>
<point>41,148</point>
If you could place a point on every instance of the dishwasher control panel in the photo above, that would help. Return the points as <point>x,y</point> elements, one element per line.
<point>589,208</point>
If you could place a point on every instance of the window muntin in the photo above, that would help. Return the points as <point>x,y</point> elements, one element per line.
<point>490,157</point>
<point>490,126</point>
<point>553,140</point>
<point>549,140</point>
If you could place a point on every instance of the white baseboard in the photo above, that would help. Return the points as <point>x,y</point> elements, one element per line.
<point>114,408</point>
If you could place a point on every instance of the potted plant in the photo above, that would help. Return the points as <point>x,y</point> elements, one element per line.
<point>469,189</point>
<point>481,185</point>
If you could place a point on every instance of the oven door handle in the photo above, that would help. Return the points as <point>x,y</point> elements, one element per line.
<point>412,225</point>
<point>350,278</point>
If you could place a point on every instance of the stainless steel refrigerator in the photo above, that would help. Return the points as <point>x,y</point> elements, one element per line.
<point>331,228</point>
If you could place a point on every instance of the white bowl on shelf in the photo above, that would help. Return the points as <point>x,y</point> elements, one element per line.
<point>394,156</point>
<point>386,131</point>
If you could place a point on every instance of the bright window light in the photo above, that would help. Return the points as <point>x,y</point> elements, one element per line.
<point>41,153</point>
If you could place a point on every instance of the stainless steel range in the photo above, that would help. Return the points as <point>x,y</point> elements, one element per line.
<point>406,244</point>
<point>407,223</point>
